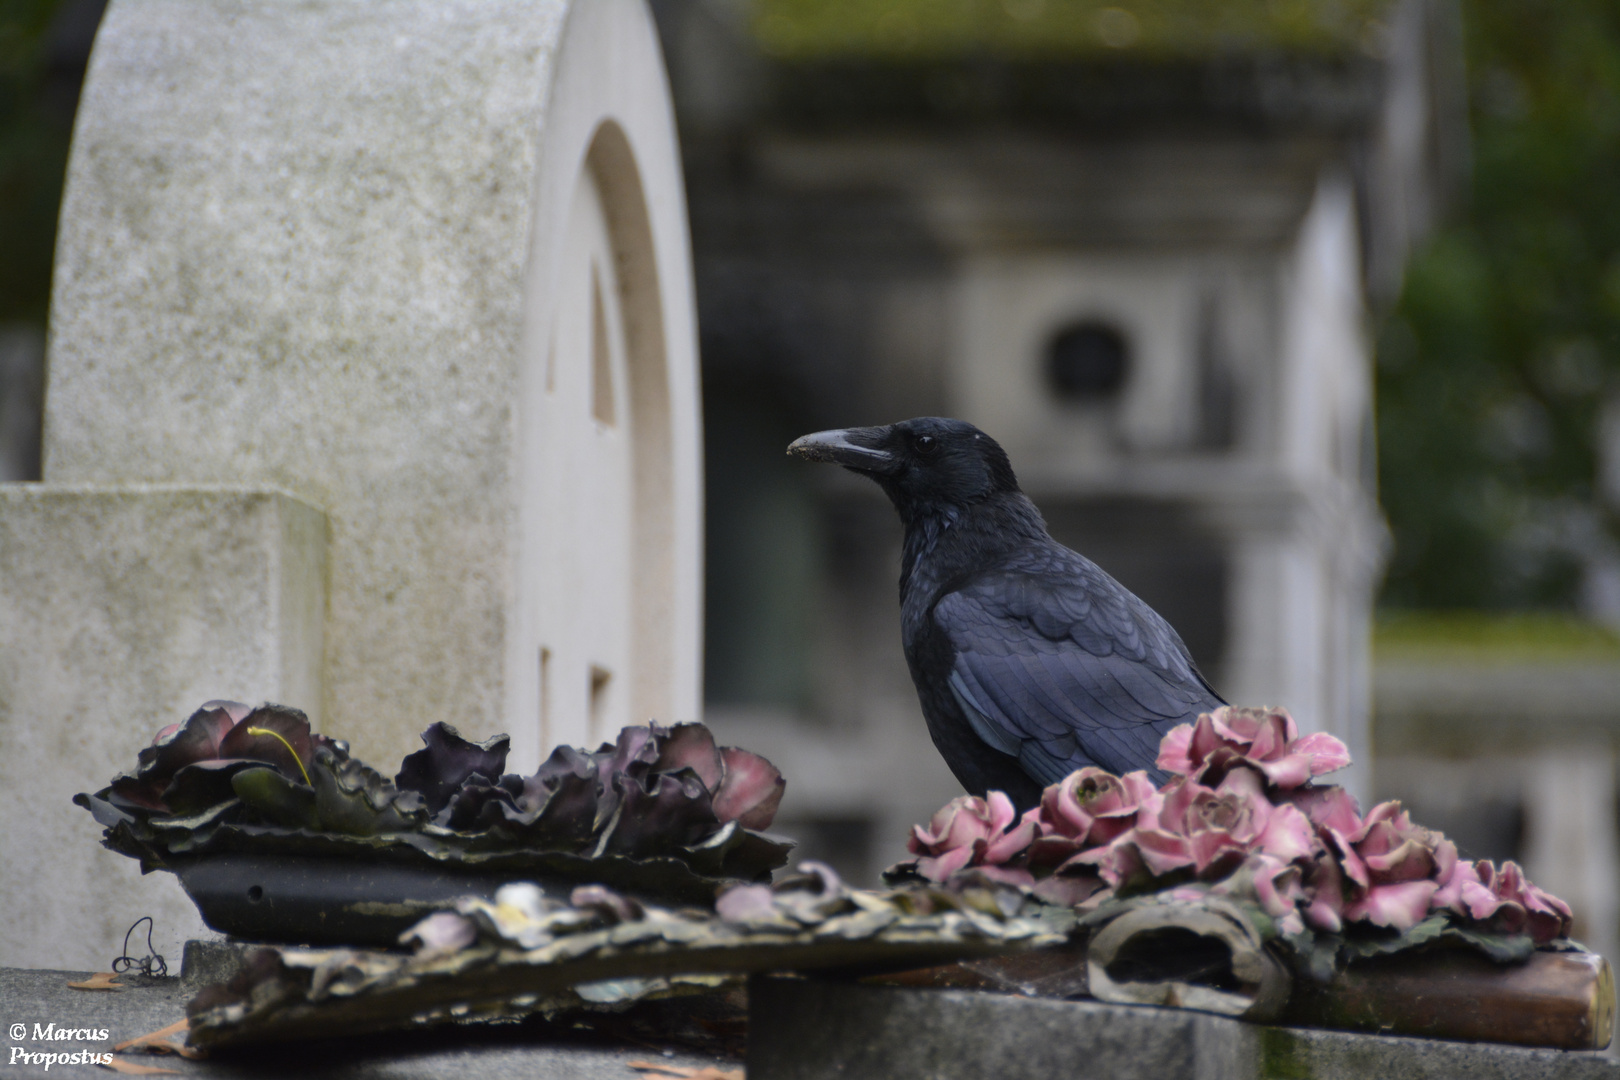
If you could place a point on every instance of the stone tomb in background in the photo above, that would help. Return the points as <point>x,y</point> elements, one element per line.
<point>372,390</point>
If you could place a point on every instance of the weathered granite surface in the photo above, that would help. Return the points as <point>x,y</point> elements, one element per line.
<point>121,610</point>
<point>802,1029</point>
<point>292,249</point>
<point>315,246</point>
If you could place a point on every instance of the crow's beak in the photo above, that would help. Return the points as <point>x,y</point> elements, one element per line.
<point>853,448</point>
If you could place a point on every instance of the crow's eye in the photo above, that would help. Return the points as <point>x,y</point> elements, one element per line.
<point>926,446</point>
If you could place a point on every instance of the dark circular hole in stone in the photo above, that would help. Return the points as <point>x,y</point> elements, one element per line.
<point>1174,954</point>
<point>255,893</point>
<point>1087,361</point>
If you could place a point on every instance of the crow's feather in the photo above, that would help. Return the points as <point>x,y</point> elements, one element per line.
<point>1030,662</point>
<point>1059,666</point>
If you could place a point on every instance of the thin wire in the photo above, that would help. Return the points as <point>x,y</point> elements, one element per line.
<point>151,963</point>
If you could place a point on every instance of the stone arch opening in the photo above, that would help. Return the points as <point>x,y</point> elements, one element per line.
<point>612,164</point>
<point>606,556</point>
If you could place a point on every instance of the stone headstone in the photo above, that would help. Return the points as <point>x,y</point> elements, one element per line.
<point>372,391</point>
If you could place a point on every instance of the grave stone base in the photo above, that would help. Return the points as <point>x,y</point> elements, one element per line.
<point>801,1029</point>
<point>804,1029</point>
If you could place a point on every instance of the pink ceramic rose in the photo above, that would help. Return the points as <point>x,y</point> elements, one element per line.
<point>1380,869</point>
<point>1240,815</point>
<point>1504,900</point>
<point>1396,867</point>
<point>1089,807</point>
<point>1211,831</point>
<point>970,831</point>
<point>1264,739</point>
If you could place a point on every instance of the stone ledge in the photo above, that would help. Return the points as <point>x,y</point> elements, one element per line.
<point>1452,707</point>
<point>801,1029</point>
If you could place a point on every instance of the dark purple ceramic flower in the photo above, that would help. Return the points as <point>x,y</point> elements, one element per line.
<point>750,790</point>
<point>743,786</point>
<point>662,811</point>
<point>447,761</point>
<point>189,766</point>
<point>653,791</point>
<point>1324,893</point>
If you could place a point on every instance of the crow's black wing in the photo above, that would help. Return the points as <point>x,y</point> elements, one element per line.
<point>1061,666</point>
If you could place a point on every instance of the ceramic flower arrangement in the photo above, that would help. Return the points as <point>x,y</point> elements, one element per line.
<point>1243,817</point>
<point>236,778</point>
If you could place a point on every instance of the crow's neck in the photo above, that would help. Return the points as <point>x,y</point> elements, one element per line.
<point>944,542</point>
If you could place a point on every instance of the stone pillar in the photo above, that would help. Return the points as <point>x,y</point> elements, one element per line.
<point>1299,624</point>
<point>1571,845</point>
<point>1304,560</point>
<point>1279,594</point>
<point>422,265</point>
<point>122,610</point>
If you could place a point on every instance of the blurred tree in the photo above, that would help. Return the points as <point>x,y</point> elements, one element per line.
<point>44,47</point>
<point>1494,369</point>
<point>916,29</point>
<point>36,120</point>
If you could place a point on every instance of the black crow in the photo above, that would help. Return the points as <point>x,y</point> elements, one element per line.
<point>1030,661</point>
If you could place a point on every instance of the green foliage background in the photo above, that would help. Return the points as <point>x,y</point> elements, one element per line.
<point>917,29</point>
<point>34,132</point>
<point>1493,369</point>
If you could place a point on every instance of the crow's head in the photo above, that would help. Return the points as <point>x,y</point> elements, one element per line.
<point>927,463</point>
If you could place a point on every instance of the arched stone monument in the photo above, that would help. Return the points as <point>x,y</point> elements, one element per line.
<point>372,390</point>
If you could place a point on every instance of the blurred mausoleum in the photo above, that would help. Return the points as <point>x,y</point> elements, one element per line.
<point>1140,242</point>
<point>1504,733</point>
<point>1137,244</point>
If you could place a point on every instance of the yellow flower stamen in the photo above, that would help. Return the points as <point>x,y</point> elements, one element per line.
<point>290,750</point>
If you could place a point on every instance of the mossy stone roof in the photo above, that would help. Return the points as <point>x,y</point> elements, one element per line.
<point>1492,637</point>
<point>810,30</point>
